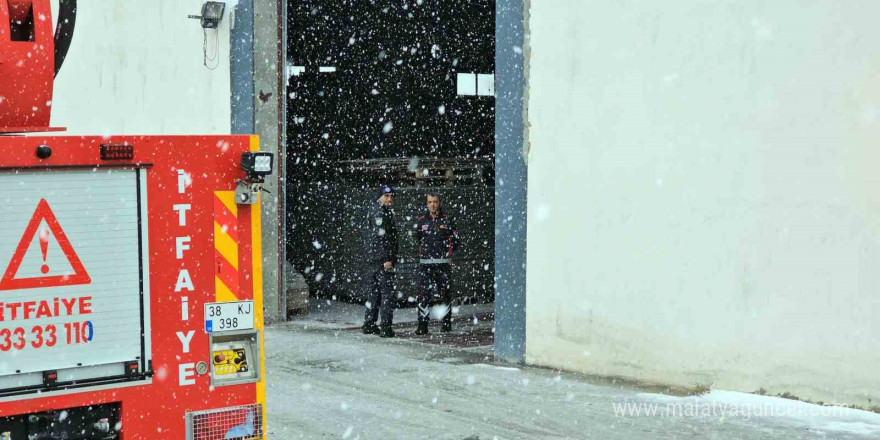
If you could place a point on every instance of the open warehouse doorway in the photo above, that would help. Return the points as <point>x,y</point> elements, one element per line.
<point>399,94</point>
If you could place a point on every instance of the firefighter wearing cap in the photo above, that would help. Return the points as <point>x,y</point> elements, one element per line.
<point>438,240</point>
<point>382,256</point>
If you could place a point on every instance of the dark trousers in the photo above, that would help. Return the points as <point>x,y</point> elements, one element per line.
<point>381,297</point>
<point>434,289</point>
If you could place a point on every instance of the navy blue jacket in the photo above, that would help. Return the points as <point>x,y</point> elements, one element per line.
<point>382,244</point>
<point>438,238</point>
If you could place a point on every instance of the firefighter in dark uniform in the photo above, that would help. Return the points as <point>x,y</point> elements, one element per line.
<point>438,240</point>
<point>382,256</point>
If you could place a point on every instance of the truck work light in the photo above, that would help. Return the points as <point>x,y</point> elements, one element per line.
<point>257,165</point>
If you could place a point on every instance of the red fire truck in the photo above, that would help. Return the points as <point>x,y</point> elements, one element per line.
<point>130,277</point>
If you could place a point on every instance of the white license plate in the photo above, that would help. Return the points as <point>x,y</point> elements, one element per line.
<point>229,316</point>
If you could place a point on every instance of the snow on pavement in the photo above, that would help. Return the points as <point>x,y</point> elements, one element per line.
<point>339,384</point>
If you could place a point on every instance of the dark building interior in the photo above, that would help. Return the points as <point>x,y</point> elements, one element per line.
<point>398,94</point>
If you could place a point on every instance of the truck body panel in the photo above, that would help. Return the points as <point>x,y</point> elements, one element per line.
<point>141,242</point>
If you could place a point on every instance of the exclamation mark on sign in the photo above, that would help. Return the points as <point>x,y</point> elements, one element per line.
<point>44,247</point>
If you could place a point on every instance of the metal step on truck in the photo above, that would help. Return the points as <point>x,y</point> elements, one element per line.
<point>130,267</point>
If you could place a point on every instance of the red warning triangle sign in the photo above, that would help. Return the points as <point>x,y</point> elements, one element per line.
<point>79,276</point>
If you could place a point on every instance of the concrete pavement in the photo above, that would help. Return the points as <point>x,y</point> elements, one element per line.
<point>337,383</point>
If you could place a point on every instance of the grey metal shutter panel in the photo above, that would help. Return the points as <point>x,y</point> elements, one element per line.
<point>98,212</point>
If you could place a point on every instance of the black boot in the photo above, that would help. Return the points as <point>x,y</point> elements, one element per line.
<point>423,328</point>
<point>370,329</point>
<point>386,332</point>
<point>447,326</point>
<point>447,319</point>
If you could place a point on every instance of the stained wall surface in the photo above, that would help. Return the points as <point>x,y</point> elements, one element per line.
<point>703,194</point>
<point>139,68</point>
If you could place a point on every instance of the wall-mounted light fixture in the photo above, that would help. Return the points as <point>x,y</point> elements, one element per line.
<point>212,13</point>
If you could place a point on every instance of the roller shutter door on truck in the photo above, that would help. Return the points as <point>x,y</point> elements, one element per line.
<point>72,246</point>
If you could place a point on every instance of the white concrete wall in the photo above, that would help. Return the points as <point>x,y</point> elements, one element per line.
<point>136,67</point>
<point>704,193</point>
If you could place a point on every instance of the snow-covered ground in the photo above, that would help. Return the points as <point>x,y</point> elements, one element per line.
<point>327,383</point>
